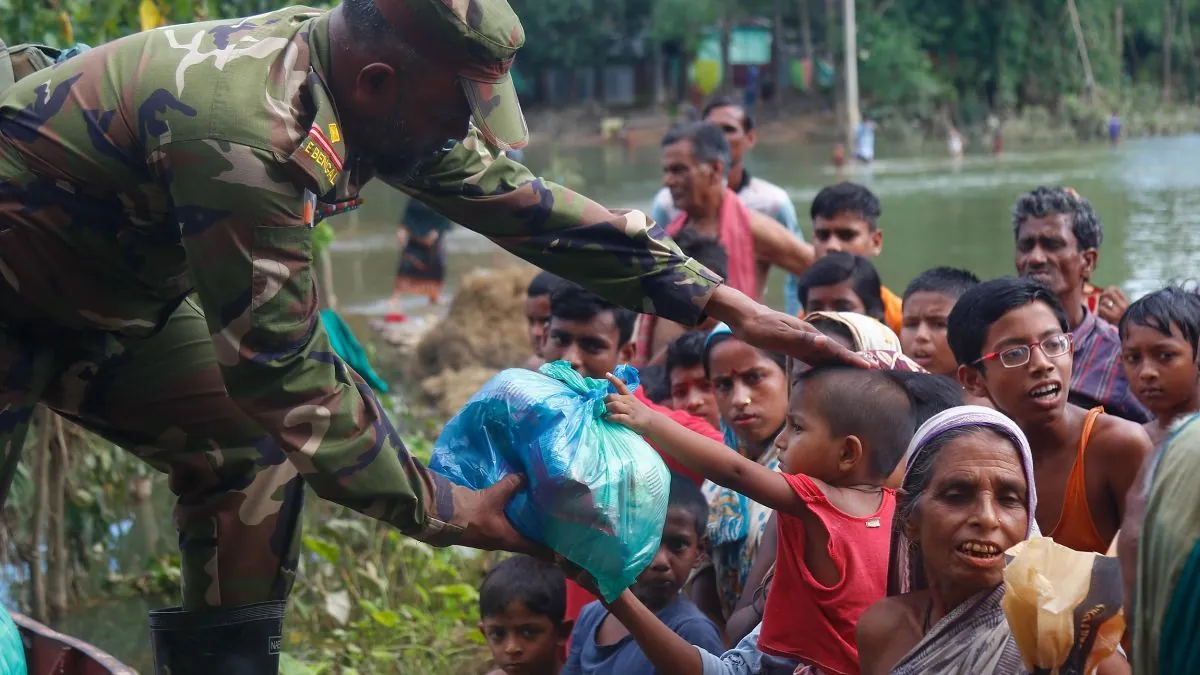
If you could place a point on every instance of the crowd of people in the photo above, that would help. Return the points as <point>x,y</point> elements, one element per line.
<point>831,519</point>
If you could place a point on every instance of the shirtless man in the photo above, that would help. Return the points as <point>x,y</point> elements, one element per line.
<point>695,163</point>
<point>1012,341</point>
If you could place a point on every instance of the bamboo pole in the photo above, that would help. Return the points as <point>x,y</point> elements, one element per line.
<point>1089,81</point>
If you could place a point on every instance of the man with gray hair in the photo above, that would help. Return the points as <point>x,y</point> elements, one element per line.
<point>695,160</point>
<point>756,192</point>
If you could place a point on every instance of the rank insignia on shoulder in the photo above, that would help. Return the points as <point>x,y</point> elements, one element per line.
<point>335,134</point>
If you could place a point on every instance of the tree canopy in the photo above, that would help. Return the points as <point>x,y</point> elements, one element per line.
<point>971,56</point>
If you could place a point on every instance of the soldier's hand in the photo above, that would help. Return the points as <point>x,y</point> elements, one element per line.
<point>774,331</point>
<point>487,527</point>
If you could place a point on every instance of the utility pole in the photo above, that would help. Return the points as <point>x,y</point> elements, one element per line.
<point>851,56</point>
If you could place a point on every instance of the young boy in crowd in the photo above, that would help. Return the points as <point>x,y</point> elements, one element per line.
<point>1159,335</point>
<point>594,335</point>
<point>601,645</point>
<point>521,605</point>
<point>845,218</point>
<point>927,304</point>
<point>691,390</point>
<point>1010,336</point>
<point>537,314</point>
<point>834,513</point>
<point>840,282</point>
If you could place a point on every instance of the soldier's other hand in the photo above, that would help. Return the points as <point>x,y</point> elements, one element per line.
<point>487,526</point>
<point>773,331</point>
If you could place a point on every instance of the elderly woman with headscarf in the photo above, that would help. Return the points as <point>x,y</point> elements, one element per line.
<point>1161,556</point>
<point>968,496</point>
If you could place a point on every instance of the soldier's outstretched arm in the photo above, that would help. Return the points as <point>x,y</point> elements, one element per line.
<point>241,214</point>
<point>619,254</point>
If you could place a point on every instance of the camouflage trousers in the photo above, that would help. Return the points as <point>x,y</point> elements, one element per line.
<point>162,398</point>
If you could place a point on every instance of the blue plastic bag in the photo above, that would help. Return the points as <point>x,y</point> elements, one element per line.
<point>597,493</point>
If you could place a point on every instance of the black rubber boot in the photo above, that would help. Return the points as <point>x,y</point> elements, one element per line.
<point>243,640</point>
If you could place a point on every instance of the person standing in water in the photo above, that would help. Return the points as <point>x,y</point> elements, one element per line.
<point>422,268</point>
<point>955,142</point>
<point>1114,128</point>
<point>864,140</point>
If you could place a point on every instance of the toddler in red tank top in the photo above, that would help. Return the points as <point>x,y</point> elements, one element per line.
<point>845,433</point>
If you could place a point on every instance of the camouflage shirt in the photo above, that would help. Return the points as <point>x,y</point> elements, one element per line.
<point>188,158</point>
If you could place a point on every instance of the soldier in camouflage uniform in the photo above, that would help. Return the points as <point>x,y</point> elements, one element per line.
<point>156,202</point>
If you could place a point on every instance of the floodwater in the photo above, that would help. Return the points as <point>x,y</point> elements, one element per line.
<point>935,212</point>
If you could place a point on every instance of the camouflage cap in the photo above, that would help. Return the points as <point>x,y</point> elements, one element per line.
<point>480,37</point>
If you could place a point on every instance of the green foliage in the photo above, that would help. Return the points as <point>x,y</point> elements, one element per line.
<point>917,57</point>
<point>894,68</point>
<point>370,600</point>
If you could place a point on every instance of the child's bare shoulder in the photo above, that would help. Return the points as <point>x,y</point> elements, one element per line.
<point>1116,438</point>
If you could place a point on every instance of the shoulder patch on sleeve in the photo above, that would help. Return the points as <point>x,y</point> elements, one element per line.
<point>319,158</point>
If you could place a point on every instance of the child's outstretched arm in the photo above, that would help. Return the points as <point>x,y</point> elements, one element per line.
<point>711,459</point>
<point>670,654</point>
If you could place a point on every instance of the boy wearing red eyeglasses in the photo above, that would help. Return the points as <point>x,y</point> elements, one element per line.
<point>1012,343</point>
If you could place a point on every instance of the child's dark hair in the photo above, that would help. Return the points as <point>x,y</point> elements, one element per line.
<point>707,251</point>
<point>654,381</point>
<point>899,402</point>
<point>847,198</point>
<point>930,394</point>
<point>949,281</point>
<point>720,338</point>
<point>1162,309</point>
<point>539,586</point>
<point>838,266</point>
<point>687,495</point>
<point>983,305</point>
<point>543,284</point>
<point>573,302</point>
<point>685,351</point>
